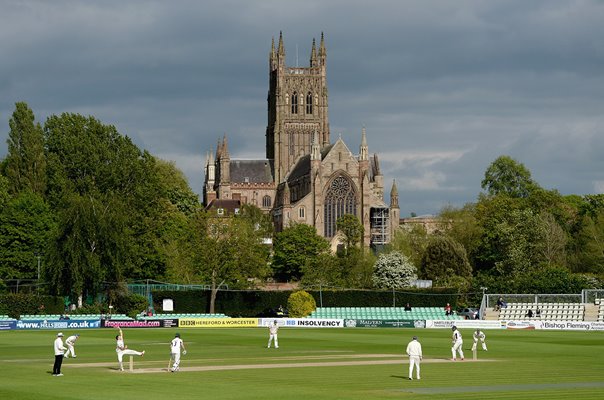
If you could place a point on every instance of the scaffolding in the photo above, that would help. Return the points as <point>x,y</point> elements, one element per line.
<point>379,222</point>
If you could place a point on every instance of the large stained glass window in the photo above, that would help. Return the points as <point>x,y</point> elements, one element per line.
<point>339,200</point>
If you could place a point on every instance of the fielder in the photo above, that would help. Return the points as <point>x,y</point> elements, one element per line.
<point>414,351</point>
<point>457,343</point>
<point>175,346</point>
<point>122,349</point>
<point>70,342</point>
<point>478,335</point>
<point>272,335</point>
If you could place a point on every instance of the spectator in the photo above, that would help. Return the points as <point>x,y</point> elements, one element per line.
<point>407,307</point>
<point>538,313</point>
<point>529,313</point>
<point>448,309</point>
<point>500,304</point>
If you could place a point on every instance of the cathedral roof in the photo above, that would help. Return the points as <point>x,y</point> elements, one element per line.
<point>251,171</point>
<point>301,168</point>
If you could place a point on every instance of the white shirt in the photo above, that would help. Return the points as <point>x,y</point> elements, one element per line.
<point>120,345</point>
<point>59,349</point>
<point>273,329</point>
<point>456,336</point>
<point>175,345</point>
<point>71,340</point>
<point>414,349</point>
<point>480,336</point>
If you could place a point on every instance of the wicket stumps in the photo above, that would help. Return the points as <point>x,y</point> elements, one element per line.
<point>131,367</point>
<point>474,353</point>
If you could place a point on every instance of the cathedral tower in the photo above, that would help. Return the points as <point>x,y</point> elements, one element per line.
<point>297,107</point>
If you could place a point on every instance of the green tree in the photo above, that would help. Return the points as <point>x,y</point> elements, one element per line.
<point>445,262</point>
<point>227,250</point>
<point>394,271</point>
<point>295,247</point>
<point>507,176</point>
<point>301,304</point>
<point>26,225</point>
<point>91,246</point>
<point>351,229</point>
<point>461,225</point>
<point>4,194</point>
<point>25,162</point>
<point>410,242</point>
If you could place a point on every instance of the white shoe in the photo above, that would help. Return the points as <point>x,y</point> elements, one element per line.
<point>74,356</point>
<point>60,375</point>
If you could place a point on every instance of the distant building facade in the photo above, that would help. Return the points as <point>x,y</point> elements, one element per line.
<point>305,178</point>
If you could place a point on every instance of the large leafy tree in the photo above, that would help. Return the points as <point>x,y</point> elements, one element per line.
<point>445,262</point>
<point>351,229</point>
<point>25,162</point>
<point>508,176</point>
<point>26,224</point>
<point>295,247</point>
<point>91,246</point>
<point>227,250</point>
<point>394,271</point>
<point>411,242</point>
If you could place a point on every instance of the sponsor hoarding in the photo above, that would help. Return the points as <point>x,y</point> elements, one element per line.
<point>557,325</point>
<point>303,322</point>
<point>116,323</point>
<point>383,323</point>
<point>218,322</point>
<point>464,323</point>
<point>7,325</point>
<point>58,324</point>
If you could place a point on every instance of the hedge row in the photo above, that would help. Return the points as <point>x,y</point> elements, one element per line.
<point>16,304</point>
<point>251,303</point>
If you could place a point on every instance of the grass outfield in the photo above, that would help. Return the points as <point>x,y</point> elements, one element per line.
<point>361,363</point>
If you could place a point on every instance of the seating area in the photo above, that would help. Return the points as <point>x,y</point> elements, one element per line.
<point>382,313</point>
<point>600,304</point>
<point>5,318</point>
<point>194,315</point>
<point>547,311</point>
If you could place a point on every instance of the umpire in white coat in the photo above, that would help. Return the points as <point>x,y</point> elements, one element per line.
<point>414,351</point>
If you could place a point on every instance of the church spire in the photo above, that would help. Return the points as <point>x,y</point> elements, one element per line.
<point>281,50</point>
<point>225,147</point>
<point>364,149</point>
<point>322,50</point>
<point>313,54</point>
<point>394,195</point>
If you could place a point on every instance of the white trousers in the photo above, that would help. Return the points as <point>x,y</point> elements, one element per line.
<point>457,348</point>
<point>175,360</point>
<point>70,349</point>
<point>128,352</point>
<point>270,339</point>
<point>484,345</point>
<point>414,361</point>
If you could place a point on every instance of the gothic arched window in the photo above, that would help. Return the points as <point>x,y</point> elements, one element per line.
<point>309,103</point>
<point>339,200</point>
<point>266,201</point>
<point>295,103</point>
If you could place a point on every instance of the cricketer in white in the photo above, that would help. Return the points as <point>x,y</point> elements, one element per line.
<point>122,349</point>
<point>457,343</point>
<point>414,351</point>
<point>175,346</point>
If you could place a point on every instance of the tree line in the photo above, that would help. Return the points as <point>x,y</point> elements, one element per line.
<point>84,210</point>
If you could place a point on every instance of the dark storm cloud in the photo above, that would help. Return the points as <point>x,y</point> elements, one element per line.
<point>443,87</point>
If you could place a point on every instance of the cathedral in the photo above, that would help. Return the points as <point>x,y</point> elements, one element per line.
<point>305,178</point>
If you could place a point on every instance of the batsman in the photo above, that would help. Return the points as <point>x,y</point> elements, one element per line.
<point>175,345</point>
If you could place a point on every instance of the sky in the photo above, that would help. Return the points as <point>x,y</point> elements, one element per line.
<point>443,87</point>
